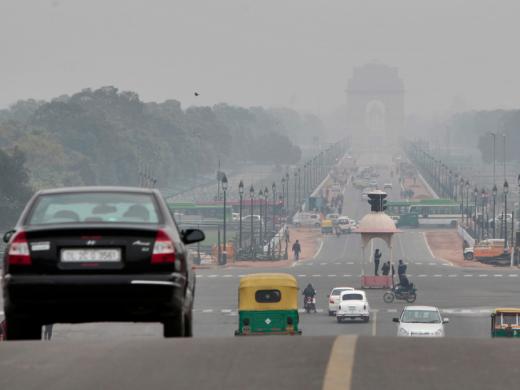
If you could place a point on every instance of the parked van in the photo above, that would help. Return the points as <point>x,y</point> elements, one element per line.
<point>307,219</point>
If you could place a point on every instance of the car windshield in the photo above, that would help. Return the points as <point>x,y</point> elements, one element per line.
<point>101,207</point>
<point>421,316</point>
<point>352,297</point>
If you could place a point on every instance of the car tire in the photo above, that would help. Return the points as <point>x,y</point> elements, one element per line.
<point>188,325</point>
<point>175,326</point>
<point>331,313</point>
<point>468,256</point>
<point>22,329</point>
<point>339,320</point>
<point>366,319</point>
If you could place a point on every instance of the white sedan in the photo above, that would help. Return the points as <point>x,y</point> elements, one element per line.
<point>353,305</point>
<point>334,296</point>
<point>421,321</point>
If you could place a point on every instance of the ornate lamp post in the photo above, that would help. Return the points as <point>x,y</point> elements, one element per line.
<point>475,225</point>
<point>283,193</point>
<point>461,187</point>
<point>483,210</point>
<point>287,194</point>
<point>506,191</point>
<point>252,196</point>
<point>299,188</point>
<point>295,191</point>
<point>241,194</point>
<point>494,192</point>
<point>260,196</point>
<point>266,194</point>
<point>224,190</point>
<point>467,202</point>
<point>273,188</point>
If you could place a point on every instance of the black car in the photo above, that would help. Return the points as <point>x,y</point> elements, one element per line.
<point>93,254</point>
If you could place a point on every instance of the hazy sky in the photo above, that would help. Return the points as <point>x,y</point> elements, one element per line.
<point>263,52</point>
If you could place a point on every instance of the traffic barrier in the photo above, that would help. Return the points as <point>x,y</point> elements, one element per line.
<point>376,281</point>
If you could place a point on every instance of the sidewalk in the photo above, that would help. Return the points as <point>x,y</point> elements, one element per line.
<point>309,242</point>
<point>447,245</point>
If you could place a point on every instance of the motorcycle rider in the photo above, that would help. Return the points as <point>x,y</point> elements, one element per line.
<point>309,292</point>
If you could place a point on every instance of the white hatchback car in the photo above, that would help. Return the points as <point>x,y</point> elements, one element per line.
<point>334,296</point>
<point>421,321</point>
<point>353,305</point>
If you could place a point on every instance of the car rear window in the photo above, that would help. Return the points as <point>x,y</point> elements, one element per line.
<point>338,291</point>
<point>352,297</point>
<point>268,296</point>
<point>95,207</point>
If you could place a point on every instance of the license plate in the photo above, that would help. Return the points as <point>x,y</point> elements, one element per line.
<point>90,255</point>
<point>352,308</point>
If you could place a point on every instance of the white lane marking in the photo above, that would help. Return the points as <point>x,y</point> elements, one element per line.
<point>226,311</point>
<point>418,263</point>
<point>513,275</point>
<point>431,263</point>
<point>452,276</point>
<point>498,275</point>
<point>323,263</point>
<point>422,276</point>
<point>482,275</point>
<point>212,276</point>
<point>316,276</point>
<point>428,245</point>
<point>437,276</point>
<point>350,262</point>
<point>391,310</point>
<point>347,276</point>
<point>331,276</point>
<point>468,275</point>
<point>302,276</point>
<point>199,276</point>
<point>319,249</point>
<point>207,311</point>
<point>227,276</point>
<point>337,263</point>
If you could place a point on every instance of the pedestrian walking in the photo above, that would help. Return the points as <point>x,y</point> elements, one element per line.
<point>47,331</point>
<point>385,269</point>
<point>377,259</point>
<point>296,248</point>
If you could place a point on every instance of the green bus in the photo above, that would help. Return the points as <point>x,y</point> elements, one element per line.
<point>438,212</point>
<point>198,212</point>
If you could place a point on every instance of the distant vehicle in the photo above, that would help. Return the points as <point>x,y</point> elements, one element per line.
<point>505,322</point>
<point>95,254</point>
<point>327,226</point>
<point>438,212</point>
<point>307,219</point>
<point>353,305</point>
<point>387,186</point>
<point>345,224</point>
<point>373,184</point>
<point>488,250</point>
<point>420,321</point>
<point>333,217</point>
<point>235,216</point>
<point>333,298</point>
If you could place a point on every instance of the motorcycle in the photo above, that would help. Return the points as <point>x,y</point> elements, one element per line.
<point>309,304</point>
<point>409,295</point>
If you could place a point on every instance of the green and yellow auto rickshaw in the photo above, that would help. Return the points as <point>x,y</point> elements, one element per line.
<point>505,322</point>
<point>268,304</point>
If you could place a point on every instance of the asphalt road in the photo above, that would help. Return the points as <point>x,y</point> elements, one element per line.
<point>466,296</point>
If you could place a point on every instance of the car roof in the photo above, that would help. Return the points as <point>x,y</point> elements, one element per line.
<point>66,190</point>
<point>421,308</point>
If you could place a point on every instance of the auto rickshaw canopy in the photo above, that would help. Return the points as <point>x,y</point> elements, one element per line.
<point>268,291</point>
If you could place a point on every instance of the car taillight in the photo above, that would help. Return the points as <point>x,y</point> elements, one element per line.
<point>19,250</point>
<point>163,249</point>
<point>331,300</point>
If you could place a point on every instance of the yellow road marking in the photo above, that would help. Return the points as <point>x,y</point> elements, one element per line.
<point>339,368</point>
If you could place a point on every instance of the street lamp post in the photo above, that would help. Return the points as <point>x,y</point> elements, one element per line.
<point>260,237</point>
<point>475,225</point>
<point>494,191</point>
<point>273,188</point>
<point>299,188</point>
<point>266,198</point>
<point>241,194</point>
<point>467,202</point>
<point>287,194</point>
<point>506,191</point>
<point>283,193</point>
<point>483,211</point>
<point>461,192</point>
<point>295,190</point>
<point>251,196</point>
<point>224,190</point>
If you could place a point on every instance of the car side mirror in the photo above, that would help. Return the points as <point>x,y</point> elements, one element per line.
<point>8,235</point>
<point>191,236</point>
<point>445,320</point>
<point>395,319</point>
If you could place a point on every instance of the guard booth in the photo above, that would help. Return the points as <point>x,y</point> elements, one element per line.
<point>376,224</point>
